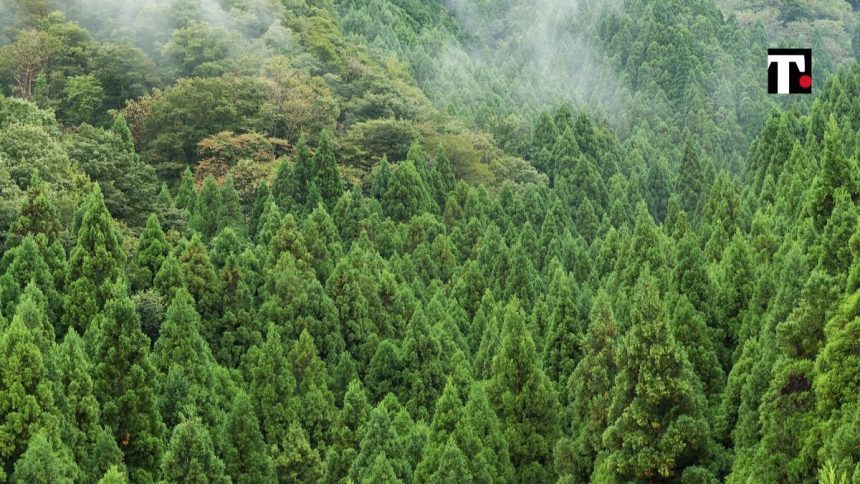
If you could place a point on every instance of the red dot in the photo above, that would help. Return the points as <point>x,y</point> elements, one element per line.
<point>805,81</point>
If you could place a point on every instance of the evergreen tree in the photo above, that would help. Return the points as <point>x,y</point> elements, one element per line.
<point>657,422</point>
<point>92,446</point>
<point>525,399</point>
<point>452,466</point>
<point>95,262</point>
<point>230,210</point>
<point>44,463</point>
<point>246,457</point>
<point>124,381</point>
<point>200,279</point>
<point>26,399</point>
<point>564,331</point>
<point>151,252</point>
<point>423,366</point>
<point>271,386</point>
<point>168,279</point>
<point>381,438</point>
<point>589,391</point>
<point>205,218</point>
<point>295,459</point>
<point>326,176</point>
<point>186,196</point>
<point>190,456</point>
<point>314,402</point>
<point>37,214</point>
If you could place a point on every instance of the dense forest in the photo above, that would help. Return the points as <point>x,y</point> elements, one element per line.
<point>427,241</point>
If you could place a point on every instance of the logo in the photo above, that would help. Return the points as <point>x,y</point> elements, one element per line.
<point>789,71</point>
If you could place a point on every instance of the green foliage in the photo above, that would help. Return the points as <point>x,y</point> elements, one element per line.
<point>190,456</point>
<point>524,398</point>
<point>381,226</point>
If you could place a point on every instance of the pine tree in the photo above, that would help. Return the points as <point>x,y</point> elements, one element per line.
<point>230,210</point>
<point>27,402</point>
<point>314,402</point>
<point>656,420</point>
<point>186,196</point>
<point>246,457</point>
<point>295,459</point>
<point>95,262</point>
<point>205,218</point>
<point>565,332</point>
<point>381,438</point>
<point>326,176</point>
<point>200,279</point>
<point>124,383</point>
<point>151,252</point>
<point>271,386</point>
<point>44,463</point>
<point>92,446</point>
<point>589,390</point>
<point>424,369</point>
<point>525,399</point>
<point>190,457</point>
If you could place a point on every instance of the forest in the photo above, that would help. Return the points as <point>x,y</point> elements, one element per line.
<point>428,241</point>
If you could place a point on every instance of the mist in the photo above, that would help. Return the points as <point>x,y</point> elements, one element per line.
<point>537,53</point>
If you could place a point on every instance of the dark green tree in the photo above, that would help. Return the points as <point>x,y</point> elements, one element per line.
<point>525,399</point>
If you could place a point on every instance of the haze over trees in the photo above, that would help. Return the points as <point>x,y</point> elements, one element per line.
<point>420,241</point>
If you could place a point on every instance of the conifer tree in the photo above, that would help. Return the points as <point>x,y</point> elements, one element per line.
<point>27,402</point>
<point>124,381</point>
<point>37,214</point>
<point>589,391</point>
<point>190,456</point>
<point>168,279</point>
<point>565,332</point>
<point>314,402</point>
<point>837,170</point>
<point>295,459</point>
<point>26,266</point>
<point>423,366</point>
<point>326,176</point>
<point>43,462</point>
<point>230,210</point>
<point>200,279</point>
<point>283,186</point>
<point>304,170</point>
<point>525,399</point>
<point>271,386</point>
<point>186,196</point>
<point>92,446</point>
<point>452,466</point>
<point>407,194</point>
<point>657,424</point>
<point>246,457</point>
<point>151,252</point>
<point>381,438</point>
<point>95,262</point>
<point>205,218</point>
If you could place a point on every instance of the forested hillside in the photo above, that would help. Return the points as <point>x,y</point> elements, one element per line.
<point>427,241</point>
